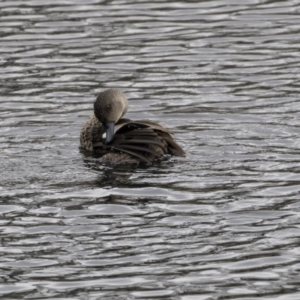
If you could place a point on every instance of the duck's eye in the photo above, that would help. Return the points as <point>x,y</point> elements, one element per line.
<point>108,106</point>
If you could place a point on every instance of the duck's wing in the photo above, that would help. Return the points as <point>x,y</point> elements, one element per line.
<point>142,139</point>
<point>165,135</point>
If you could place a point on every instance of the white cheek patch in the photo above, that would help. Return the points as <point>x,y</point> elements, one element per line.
<point>104,135</point>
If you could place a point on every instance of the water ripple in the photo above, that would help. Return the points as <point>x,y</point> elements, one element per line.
<point>221,223</point>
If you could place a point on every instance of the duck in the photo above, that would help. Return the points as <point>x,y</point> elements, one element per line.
<point>121,141</point>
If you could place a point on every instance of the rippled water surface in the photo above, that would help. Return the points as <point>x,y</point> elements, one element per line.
<point>221,223</point>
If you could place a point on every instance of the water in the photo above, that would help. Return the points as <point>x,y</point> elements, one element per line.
<point>222,223</point>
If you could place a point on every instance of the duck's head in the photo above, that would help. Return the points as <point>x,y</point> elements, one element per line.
<point>109,107</point>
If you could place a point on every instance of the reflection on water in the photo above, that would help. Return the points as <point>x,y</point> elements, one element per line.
<point>222,223</point>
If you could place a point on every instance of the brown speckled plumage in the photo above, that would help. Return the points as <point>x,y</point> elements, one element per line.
<point>132,141</point>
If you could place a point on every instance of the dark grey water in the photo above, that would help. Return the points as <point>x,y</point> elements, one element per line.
<point>222,223</point>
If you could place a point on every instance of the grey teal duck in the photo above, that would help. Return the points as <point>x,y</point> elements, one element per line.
<point>126,141</point>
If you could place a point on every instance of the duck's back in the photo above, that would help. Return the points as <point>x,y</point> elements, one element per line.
<point>138,141</point>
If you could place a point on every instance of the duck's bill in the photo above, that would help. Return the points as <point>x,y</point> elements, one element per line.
<point>110,131</point>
